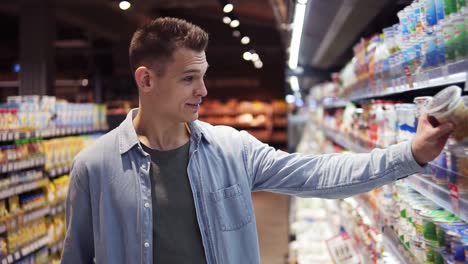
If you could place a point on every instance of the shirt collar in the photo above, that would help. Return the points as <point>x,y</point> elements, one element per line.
<point>128,137</point>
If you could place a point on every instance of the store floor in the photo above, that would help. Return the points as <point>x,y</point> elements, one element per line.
<point>271,211</point>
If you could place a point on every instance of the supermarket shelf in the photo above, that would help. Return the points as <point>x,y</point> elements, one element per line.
<point>7,136</point>
<point>25,251</point>
<point>336,103</point>
<point>343,140</point>
<point>58,171</point>
<point>393,245</point>
<point>391,241</point>
<point>439,194</point>
<point>57,208</point>
<point>21,165</point>
<point>26,187</point>
<point>15,221</point>
<point>441,76</point>
<point>57,246</point>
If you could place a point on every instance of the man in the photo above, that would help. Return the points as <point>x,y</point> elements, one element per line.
<point>166,188</point>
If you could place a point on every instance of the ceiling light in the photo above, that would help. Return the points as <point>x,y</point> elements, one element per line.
<point>124,5</point>
<point>228,8</point>
<point>247,56</point>
<point>255,56</point>
<point>226,20</point>
<point>294,82</point>
<point>258,64</point>
<point>236,33</point>
<point>296,35</point>
<point>245,40</point>
<point>234,23</point>
<point>290,98</point>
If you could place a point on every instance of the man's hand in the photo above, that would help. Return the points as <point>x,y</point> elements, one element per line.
<point>429,139</point>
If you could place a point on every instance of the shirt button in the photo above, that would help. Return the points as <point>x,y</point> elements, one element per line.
<point>147,205</point>
<point>143,166</point>
<point>146,244</point>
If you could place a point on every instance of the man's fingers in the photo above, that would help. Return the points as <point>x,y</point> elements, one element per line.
<point>442,130</point>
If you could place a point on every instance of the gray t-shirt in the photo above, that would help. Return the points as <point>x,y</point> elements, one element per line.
<point>176,234</point>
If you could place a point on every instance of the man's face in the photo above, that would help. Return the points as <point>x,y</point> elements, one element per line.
<point>179,91</point>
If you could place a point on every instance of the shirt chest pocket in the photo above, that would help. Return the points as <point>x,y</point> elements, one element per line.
<point>231,208</point>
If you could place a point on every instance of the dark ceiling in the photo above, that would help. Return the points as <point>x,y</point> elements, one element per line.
<point>331,28</point>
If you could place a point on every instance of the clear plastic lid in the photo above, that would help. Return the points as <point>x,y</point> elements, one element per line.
<point>445,100</point>
<point>422,99</point>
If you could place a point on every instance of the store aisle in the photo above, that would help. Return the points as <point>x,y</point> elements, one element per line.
<point>271,211</point>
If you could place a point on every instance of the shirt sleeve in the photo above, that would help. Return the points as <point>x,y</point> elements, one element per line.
<point>325,176</point>
<point>78,245</point>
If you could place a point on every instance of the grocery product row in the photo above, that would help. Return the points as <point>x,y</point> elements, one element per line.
<point>36,153</point>
<point>32,216</point>
<point>382,123</point>
<point>397,223</point>
<point>427,48</point>
<point>45,116</point>
<point>30,199</point>
<point>355,236</point>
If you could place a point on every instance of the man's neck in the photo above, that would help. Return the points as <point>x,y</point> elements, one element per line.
<point>159,133</point>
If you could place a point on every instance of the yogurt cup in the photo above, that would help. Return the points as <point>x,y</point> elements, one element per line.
<point>459,159</point>
<point>448,106</point>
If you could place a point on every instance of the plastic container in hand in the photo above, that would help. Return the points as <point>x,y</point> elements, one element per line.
<point>421,103</point>
<point>448,106</point>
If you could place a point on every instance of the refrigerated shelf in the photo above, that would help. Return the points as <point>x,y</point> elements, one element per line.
<point>449,74</point>
<point>438,194</point>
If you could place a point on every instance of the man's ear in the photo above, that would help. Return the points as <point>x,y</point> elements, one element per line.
<point>144,79</point>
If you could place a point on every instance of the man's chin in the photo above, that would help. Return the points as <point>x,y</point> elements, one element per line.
<point>192,118</point>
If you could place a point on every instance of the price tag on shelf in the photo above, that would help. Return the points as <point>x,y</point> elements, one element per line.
<point>341,249</point>
<point>17,255</point>
<point>455,198</point>
<point>445,71</point>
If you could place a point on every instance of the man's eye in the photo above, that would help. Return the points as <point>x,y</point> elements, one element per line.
<point>188,78</point>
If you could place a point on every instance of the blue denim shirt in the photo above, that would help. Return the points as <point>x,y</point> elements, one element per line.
<point>108,208</point>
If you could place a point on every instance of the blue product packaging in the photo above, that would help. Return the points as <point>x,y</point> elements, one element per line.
<point>431,15</point>
<point>439,6</point>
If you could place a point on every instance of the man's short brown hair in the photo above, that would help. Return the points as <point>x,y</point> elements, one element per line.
<point>153,45</point>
